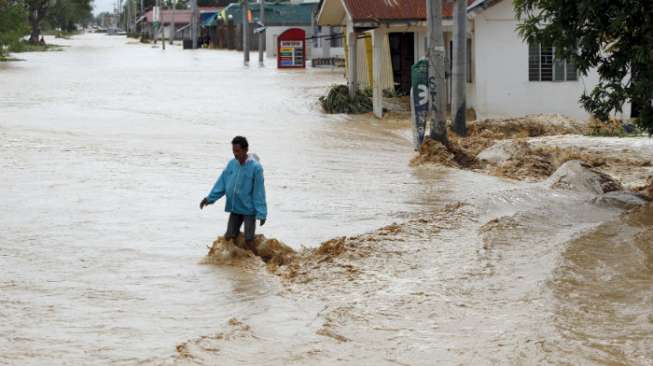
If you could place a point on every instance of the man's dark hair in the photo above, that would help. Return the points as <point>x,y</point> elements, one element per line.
<point>241,141</point>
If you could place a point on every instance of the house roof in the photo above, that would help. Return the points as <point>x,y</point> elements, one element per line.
<point>276,14</point>
<point>182,16</point>
<point>480,5</point>
<point>332,11</point>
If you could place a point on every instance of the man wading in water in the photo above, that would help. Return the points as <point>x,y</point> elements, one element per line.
<point>242,182</point>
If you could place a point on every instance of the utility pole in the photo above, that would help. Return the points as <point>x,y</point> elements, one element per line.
<point>261,35</point>
<point>142,21</point>
<point>156,16</point>
<point>245,29</point>
<point>436,56</point>
<point>193,22</point>
<point>163,26</point>
<point>458,98</point>
<point>173,25</point>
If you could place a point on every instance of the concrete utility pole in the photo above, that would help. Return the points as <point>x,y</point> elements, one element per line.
<point>163,27</point>
<point>436,57</point>
<point>458,99</point>
<point>142,21</point>
<point>193,22</point>
<point>173,25</point>
<point>157,21</point>
<point>245,29</point>
<point>261,35</point>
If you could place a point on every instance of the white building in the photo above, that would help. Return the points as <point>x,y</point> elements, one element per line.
<point>507,77</point>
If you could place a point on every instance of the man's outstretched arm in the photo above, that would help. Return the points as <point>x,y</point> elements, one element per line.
<point>216,193</point>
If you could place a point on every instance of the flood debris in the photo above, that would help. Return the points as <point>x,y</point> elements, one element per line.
<point>461,152</point>
<point>338,100</point>
<point>271,251</point>
<point>526,149</point>
<point>327,332</point>
<point>451,154</point>
<point>647,189</point>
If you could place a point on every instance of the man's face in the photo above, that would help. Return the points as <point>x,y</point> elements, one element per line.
<point>239,153</point>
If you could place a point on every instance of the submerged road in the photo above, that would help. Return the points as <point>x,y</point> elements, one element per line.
<point>106,149</point>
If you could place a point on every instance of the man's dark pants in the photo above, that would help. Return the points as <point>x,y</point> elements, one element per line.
<point>235,221</point>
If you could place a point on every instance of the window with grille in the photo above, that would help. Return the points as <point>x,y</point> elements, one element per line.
<point>543,65</point>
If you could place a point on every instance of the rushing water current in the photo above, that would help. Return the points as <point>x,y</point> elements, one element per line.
<point>107,148</point>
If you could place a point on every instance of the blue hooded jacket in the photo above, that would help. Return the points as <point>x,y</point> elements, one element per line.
<point>244,187</point>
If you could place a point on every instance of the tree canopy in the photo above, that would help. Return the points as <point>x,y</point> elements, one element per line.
<point>66,14</point>
<point>13,23</point>
<point>615,37</point>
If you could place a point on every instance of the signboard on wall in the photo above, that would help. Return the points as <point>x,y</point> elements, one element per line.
<point>291,49</point>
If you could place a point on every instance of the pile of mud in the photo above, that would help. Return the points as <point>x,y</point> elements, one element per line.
<point>528,126</point>
<point>460,152</point>
<point>451,154</point>
<point>271,251</point>
<point>525,162</point>
<point>647,189</point>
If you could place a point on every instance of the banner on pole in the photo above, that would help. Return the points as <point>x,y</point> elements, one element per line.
<point>419,100</point>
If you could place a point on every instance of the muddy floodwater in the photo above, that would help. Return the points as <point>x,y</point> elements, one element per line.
<point>107,147</point>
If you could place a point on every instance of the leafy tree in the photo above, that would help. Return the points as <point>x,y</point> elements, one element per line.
<point>613,36</point>
<point>65,14</point>
<point>36,12</point>
<point>13,23</point>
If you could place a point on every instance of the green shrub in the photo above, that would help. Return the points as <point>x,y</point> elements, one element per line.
<point>338,100</point>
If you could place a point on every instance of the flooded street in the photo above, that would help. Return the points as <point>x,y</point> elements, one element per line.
<point>107,148</point>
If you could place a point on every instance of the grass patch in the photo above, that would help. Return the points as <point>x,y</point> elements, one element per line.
<point>24,46</point>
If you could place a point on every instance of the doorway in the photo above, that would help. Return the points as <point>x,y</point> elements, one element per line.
<point>402,54</point>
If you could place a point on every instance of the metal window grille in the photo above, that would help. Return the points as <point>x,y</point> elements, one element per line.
<point>544,66</point>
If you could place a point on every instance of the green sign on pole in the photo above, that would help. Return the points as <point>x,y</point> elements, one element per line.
<point>419,99</point>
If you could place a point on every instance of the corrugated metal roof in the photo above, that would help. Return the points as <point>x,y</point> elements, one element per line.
<point>276,14</point>
<point>182,16</point>
<point>394,10</point>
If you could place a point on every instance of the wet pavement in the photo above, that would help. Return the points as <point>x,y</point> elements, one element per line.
<point>108,147</point>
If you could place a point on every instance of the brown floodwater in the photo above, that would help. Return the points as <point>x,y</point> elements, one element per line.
<point>107,147</point>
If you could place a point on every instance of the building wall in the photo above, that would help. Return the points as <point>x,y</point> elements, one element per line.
<point>502,88</point>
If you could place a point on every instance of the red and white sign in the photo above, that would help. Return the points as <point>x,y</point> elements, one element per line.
<point>291,49</point>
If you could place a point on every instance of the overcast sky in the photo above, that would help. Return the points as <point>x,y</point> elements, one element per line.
<point>103,5</point>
